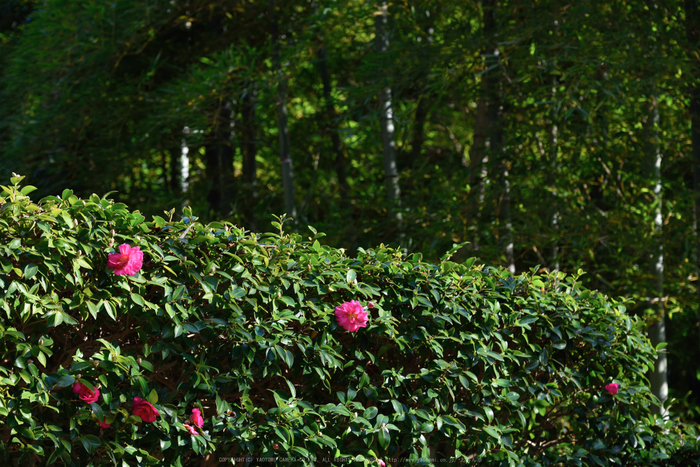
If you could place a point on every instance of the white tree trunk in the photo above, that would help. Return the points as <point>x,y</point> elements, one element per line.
<point>554,168</point>
<point>391,175</point>
<point>285,154</point>
<point>184,167</point>
<point>657,331</point>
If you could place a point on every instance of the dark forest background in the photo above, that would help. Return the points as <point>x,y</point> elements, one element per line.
<point>555,134</point>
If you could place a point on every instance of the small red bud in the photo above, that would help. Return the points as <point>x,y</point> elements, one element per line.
<point>370,305</point>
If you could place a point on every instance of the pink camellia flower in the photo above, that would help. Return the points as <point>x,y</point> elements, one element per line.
<point>197,418</point>
<point>128,261</point>
<point>612,388</point>
<point>85,394</point>
<point>381,462</point>
<point>351,316</point>
<point>191,429</point>
<point>144,410</point>
<point>103,424</point>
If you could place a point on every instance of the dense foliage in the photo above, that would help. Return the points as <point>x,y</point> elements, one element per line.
<point>458,361</point>
<point>550,133</point>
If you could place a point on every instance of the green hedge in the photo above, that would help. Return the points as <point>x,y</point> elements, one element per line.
<point>457,362</point>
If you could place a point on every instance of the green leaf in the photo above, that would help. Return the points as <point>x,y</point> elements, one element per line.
<point>38,450</point>
<point>238,293</point>
<point>178,293</point>
<point>282,433</point>
<point>82,263</point>
<point>450,420</point>
<point>351,394</point>
<point>527,320</point>
<point>370,413</point>
<point>25,431</point>
<point>292,389</point>
<point>108,308</point>
<point>351,276</point>
<point>285,355</point>
<point>513,396</point>
<point>97,410</point>
<point>92,309</point>
<point>138,299</point>
<point>384,437</point>
<point>65,381</point>
<point>30,270</point>
<point>398,407</point>
<point>144,386</point>
<point>494,355</point>
<point>289,301</point>
<point>300,452</point>
<point>27,189</point>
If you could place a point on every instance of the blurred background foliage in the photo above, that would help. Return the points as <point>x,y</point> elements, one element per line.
<point>545,132</point>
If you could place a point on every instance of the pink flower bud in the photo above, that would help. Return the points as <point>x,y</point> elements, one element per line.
<point>612,388</point>
<point>197,418</point>
<point>85,394</point>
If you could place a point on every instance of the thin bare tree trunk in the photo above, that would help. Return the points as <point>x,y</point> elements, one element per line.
<point>657,332</point>
<point>493,85</point>
<point>419,129</point>
<point>339,163</point>
<point>508,220</point>
<point>552,183</point>
<point>219,157</point>
<point>175,152</point>
<point>478,161</point>
<point>282,125</point>
<point>692,18</point>
<point>249,149</point>
<point>391,175</point>
<point>285,153</point>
